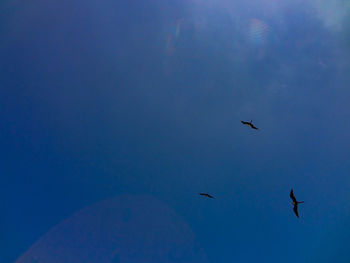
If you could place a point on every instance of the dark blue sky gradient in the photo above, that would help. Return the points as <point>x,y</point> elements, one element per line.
<point>101,98</point>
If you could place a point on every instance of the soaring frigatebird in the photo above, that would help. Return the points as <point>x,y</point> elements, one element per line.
<point>295,203</point>
<point>206,195</point>
<point>249,124</point>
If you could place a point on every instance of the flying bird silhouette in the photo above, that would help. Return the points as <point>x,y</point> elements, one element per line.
<point>206,195</point>
<point>295,203</point>
<point>249,124</point>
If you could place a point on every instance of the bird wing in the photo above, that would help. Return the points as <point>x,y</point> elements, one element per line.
<point>206,195</point>
<point>251,125</point>
<point>292,196</point>
<point>296,210</point>
<point>245,122</point>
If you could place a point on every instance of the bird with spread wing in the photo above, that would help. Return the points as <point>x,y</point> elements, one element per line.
<point>206,195</point>
<point>295,203</point>
<point>250,124</point>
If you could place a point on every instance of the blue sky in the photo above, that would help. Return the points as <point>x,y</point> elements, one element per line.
<point>103,98</point>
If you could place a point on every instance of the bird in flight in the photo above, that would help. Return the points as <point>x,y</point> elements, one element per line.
<point>295,203</point>
<point>249,124</point>
<point>206,195</point>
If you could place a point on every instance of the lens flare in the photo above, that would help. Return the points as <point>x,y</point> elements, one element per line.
<point>173,36</point>
<point>258,32</point>
<point>128,228</point>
